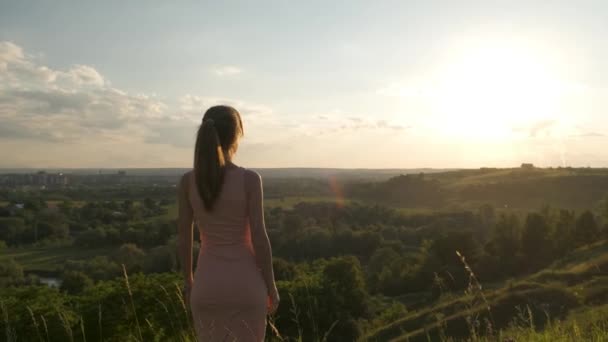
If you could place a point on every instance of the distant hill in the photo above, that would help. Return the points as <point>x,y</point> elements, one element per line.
<point>344,174</point>
<point>524,188</point>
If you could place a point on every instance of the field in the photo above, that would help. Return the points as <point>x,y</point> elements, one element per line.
<point>50,259</point>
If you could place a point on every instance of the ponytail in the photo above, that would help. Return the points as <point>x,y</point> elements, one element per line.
<point>209,163</point>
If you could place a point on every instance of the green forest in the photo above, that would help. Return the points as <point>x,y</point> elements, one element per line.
<point>467,255</point>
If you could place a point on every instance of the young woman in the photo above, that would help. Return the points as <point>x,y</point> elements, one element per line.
<point>233,287</point>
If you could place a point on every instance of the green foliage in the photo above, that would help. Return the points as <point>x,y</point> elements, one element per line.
<point>564,232</point>
<point>74,282</point>
<point>100,312</point>
<point>535,241</point>
<point>586,229</point>
<point>328,300</point>
<point>97,268</point>
<point>11,273</point>
<point>284,270</point>
<point>130,255</point>
<point>160,259</point>
<point>12,229</point>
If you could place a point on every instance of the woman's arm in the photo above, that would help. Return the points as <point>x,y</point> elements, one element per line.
<point>259,237</point>
<point>184,231</point>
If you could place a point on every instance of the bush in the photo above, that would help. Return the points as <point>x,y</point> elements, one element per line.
<point>74,282</point>
<point>11,273</point>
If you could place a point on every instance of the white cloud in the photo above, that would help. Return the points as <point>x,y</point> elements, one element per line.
<point>83,74</point>
<point>226,70</point>
<point>40,103</point>
<point>42,106</point>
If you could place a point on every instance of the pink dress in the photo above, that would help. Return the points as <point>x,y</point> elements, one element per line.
<point>229,296</point>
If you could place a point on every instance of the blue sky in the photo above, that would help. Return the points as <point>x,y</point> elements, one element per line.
<point>371,84</point>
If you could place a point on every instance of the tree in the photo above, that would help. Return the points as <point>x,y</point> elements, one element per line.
<point>34,204</point>
<point>65,207</point>
<point>51,230</point>
<point>293,224</point>
<point>98,268</point>
<point>535,241</point>
<point>503,250</point>
<point>160,259</point>
<point>130,255</point>
<point>604,210</point>
<point>10,273</point>
<point>345,295</point>
<point>586,229</point>
<point>384,271</point>
<point>283,269</point>
<point>51,224</point>
<point>11,229</point>
<point>149,203</point>
<point>74,282</point>
<point>564,231</point>
<point>127,205</point>
<point>507,235</point>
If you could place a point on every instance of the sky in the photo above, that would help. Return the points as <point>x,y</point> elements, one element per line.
<point>347,84</point>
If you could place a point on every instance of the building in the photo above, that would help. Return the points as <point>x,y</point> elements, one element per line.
<point>527,166</point>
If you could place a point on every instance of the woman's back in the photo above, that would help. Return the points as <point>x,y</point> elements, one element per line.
<point>226,226</point>
<point>229,292</point>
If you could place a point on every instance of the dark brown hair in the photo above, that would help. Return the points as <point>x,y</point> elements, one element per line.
<point>216,141</point>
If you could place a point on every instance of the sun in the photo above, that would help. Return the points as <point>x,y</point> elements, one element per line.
<point>488,90</point>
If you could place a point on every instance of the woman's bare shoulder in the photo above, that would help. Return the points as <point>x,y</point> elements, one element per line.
<point>184,180</point>
<point>252,179</point>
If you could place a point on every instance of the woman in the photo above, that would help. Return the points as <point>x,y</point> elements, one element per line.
<point>233,287</point>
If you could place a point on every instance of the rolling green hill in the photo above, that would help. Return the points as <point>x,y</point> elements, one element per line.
<point>573,285</point>
<point>516,188</point>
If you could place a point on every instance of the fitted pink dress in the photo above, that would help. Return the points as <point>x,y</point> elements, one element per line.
<point>229,296</point>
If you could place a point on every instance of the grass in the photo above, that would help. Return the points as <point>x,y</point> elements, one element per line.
<point>462,178</point>
<point>171,211</point>
<point>76,204</point>
<point>49,259</point>
<point>588,324</point>
<point>25,323</point>
<point>577,282</point>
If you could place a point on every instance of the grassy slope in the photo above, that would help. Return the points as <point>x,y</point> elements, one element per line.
<point>577,282</point>
<point>472,177</point>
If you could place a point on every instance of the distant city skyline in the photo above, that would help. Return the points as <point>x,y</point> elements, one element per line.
<point>357,84</point>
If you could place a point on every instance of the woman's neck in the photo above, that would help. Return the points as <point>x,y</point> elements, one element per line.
<point>230,164</point>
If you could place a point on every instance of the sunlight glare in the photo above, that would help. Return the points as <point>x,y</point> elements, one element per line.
<point>486,92</point>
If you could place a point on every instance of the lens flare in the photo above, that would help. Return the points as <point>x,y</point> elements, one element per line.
<point>337,190</point>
